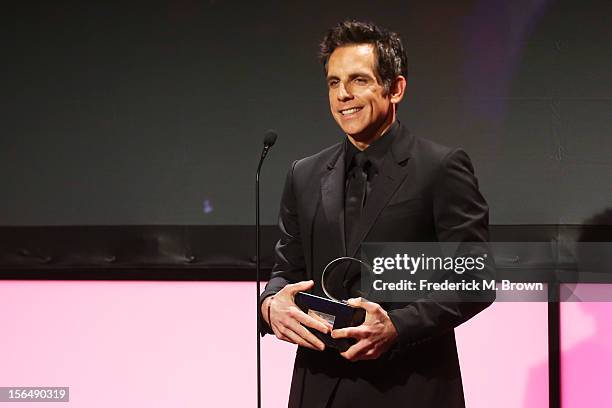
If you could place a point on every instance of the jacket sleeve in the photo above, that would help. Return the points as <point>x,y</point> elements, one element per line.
<point>289,266</point>
<point>461,216</point>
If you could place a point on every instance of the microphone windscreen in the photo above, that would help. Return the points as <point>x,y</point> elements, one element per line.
<point>270,138</point>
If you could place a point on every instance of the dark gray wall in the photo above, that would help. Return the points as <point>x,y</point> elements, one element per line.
<point>154,113</point>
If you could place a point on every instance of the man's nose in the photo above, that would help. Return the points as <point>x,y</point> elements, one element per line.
<point>344,93</point>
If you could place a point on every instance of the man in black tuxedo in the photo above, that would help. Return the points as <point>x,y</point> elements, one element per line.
<point>381,184</point>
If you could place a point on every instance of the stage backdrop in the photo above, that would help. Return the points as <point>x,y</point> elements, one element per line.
<point>154,112</point>
<point>137,113</point>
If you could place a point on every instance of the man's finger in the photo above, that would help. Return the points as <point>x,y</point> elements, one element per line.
<point>287,332</point>
<point>353,332</point>
<point>357,351</point>
<point>299,330</point>
<point>300,341</point>
<point>311,322</point>
<point>363,303</point>
<point>311,338</point>
<point>322,320</point>
<point>294,288</point>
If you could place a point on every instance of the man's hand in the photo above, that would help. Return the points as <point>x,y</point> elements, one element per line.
<point>286,318</point>
<point>375,336</point>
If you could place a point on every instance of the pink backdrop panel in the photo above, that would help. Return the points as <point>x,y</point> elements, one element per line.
<point>503,353</point>
<point>192,344</point>
<point>586,348</point>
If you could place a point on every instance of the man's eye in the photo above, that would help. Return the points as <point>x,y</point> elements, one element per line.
<point>332,84</point>
<point>361,81</point>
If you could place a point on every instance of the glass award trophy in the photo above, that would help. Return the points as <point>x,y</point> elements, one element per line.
<point>341,276</point>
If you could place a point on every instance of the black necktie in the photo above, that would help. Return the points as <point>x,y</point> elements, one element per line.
<point>355,193</point>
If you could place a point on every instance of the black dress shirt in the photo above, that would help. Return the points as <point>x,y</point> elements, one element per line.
<point>375,153</point>
<point>348,285</point>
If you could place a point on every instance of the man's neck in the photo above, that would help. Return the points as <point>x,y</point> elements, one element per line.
<point>364,144</point>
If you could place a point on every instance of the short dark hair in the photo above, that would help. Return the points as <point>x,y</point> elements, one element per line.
<point>390,54</point>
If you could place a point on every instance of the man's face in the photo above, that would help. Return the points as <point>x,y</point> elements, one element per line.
<point>356,95</point>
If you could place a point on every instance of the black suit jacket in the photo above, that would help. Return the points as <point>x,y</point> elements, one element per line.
<point>424,192</point>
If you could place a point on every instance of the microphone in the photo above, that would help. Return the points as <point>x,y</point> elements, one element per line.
<point>269,140</point>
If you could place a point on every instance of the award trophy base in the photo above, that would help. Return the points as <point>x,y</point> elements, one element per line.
<point>338,314</point>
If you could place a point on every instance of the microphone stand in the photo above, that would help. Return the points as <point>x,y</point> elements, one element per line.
<point>269,140</point>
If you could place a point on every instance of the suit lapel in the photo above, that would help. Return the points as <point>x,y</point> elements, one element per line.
<point>332,195</point>
<point>390,177</point>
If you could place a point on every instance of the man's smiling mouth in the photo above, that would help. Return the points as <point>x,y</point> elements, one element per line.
<point>349,111</point>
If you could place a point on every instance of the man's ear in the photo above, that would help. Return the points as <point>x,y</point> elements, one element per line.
<point>398,87</point>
